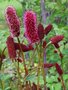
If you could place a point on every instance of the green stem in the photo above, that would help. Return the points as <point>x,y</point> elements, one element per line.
<point>31,61</point>
<point>63,85</point>
<point>38,78</point>
<point>2,84</point>
<point>25,68</point>
<point>38,68</point>
<point>34,70</point>
<point>43,72</point>
<point>18,74</point>
<point>42,62</point>
<point>1,57</point>
<point>61,61</point>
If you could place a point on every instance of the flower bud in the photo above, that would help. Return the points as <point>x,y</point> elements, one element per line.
<point>54,40</point>
<point>11,47</point>
<point>23,47</point>
<point>48,29</point>
<point>56,45</point>
<point>48,65</point>
<point>58,68</point>
<point>40,31</point>
<point>44,44</point>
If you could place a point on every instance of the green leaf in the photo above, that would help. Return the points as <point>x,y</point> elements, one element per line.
<point>31,78</point>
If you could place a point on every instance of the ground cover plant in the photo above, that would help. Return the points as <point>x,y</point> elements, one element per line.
<point>32,60</point>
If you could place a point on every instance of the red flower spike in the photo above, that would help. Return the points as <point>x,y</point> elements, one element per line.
<point>61,55</point>
<point>40,31</point>
<point>58,68</point>
<point>23,47</point>
<point>54,40</point>
<point>11,47</point>
<point>44,44</point>
<point>48,29</point>
<point>13,21</point>
<point>30,24</point>
<point>48,65</point>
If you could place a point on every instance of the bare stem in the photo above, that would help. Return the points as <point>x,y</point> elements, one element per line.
<point>2,57</point>
<point>41,64</point>
<point>25,68</point>
<point>38,68</point>
<point>63,85</point>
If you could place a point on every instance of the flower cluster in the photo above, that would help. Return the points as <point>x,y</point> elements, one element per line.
<point>35,34</point>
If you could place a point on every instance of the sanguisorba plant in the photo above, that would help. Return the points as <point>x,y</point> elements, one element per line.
<point>34,33</point>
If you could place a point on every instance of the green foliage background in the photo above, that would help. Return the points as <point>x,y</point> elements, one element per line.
<point>58,16</point>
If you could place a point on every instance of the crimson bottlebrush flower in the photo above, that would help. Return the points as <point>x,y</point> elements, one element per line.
<point>13,21</point>
<point>30,22</point>
<point>23,47</point>
<point>11,47</point>
<point>48,29</point>
<point>48,65</point>
<point>58,68</point>
<point>54,40</point>
<point>40,31</point>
